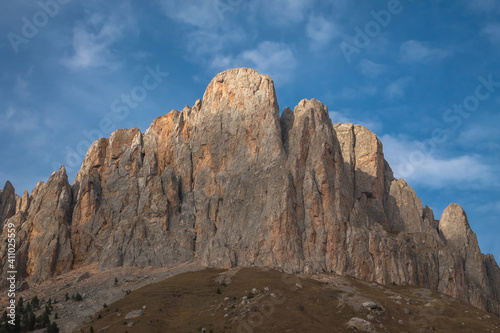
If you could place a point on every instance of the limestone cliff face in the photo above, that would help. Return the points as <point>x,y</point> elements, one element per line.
<point>230,182</point>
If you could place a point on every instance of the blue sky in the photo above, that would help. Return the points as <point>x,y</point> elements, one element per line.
<point>423,75</point>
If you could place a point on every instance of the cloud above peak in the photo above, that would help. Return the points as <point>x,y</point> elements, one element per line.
<point>320,32</point>
<point>411,160</point>
<point>94,39</point>
<point>484,5</point>
<point>281,12</point>
<point>211,14</point>
<point>201,14</point>
<point>413,51</point>
<point>371,69</point>
<point>397,88</point>
<point>275,59</point>
<point>492,30</point>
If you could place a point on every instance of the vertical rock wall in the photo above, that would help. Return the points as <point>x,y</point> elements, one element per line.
<point>230,182</point>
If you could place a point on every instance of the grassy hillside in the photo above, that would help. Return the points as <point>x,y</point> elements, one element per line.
<point>257,300</point>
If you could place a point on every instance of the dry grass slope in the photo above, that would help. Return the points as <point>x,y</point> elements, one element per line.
<point>261,300</point>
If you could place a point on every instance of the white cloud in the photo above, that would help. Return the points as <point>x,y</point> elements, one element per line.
<point>397,88</point>
<point>21,87</point>
<point>94,38</point>
<point>481,137</point>
<point>371,69</point>
<point>320,31</point>
<point>281,12</point>
<point>211,14</point>
<point>490,207</point>
<point>210,31</point>
<point>419,164</point>
<point>272,58</point>
<point>18,120</point>
<point>484,5</point>
<point>198,13</point>
<point>32,127</point>
<point>476,134</point>
<point>204,44</point>
<point>214,36</point>
<point>492,30</point>
<point>415,51</point>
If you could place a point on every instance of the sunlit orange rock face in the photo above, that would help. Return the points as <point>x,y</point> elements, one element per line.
<point>231,182</point>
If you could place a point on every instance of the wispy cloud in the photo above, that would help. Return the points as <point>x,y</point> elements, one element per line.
<point>272,58</point>
<point>371,69</point>
<point>18,120</point>
<point>95,37</point>
<point>489,207</point>
<point>197,13</point>
<point>483,5</point>
<point>31,127</point>
<point>211,13</point>
<point>320,32</point>
<point>21,87</point>
<point>397,88</point>
<point>492,30</point>
<point>420,52</point>
<point>209,33</point>
<point>204,45</point>
<point>411,160</point>
<point>481,137</point>
<point>281,12</point>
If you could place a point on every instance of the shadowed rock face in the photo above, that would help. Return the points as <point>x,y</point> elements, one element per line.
<point>230,182</point>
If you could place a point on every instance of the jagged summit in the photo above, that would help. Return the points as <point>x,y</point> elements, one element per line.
<point>241,89</point>
<point>229,182</point>
<point>454,225</point>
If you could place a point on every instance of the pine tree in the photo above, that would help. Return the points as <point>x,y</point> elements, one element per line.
<point>20,306</point>
<point>31,321</point>
<point>35,302</point>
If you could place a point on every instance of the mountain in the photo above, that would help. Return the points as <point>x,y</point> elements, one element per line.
<point>228,182</point>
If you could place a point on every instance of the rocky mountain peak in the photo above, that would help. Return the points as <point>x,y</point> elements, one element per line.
<point>228,182</point>
<point>241,89</point>
<point>8,202</point>
<point>454,225</point>
<point>8,189</point>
